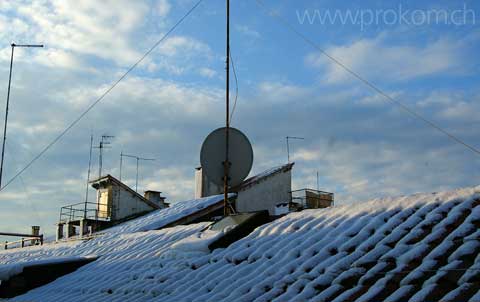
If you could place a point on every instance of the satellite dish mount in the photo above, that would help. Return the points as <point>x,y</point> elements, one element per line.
<point>228,209</point>
<point>227,155</point>
<point>240,158</point>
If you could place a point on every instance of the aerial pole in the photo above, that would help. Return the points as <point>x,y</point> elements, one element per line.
<point>226,163</point>
<point>103,144</point>
<point>121,161</point>
<point>137,158</point>
<point>136,177</point>
<point>288,138</point>
<point>8,102</point>
<point>88,176</point>
<point>100,148</point>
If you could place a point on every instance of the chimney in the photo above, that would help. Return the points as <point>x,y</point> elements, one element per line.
<point>155,197</point>
<point>203,186</point>
<point>198,183</point>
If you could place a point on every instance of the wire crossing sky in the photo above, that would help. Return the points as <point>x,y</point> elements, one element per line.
<point>165,36</point>
<point>369,84</point>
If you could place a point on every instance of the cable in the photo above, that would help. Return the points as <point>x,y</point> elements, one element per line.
<point>24,187</point>
<point>286,23</point>
<point>236,87</point>
<point>103,95</point>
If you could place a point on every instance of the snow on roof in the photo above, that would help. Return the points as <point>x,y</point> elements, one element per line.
<point>160,218</point>
<point>106,241</point>
<point>423,247</point>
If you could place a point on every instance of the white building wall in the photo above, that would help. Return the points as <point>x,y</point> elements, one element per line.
<point>126,204</point>
<point>266,194</point>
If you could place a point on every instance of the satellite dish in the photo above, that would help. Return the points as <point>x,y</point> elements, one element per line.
<point>240,156</point>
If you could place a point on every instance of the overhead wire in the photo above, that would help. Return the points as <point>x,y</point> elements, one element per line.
<point>27,200</point>
<point>236,87</point>
<point>104,94</point>
<point>404,107</point>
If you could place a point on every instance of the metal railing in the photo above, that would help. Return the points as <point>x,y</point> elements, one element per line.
<point>82,210</point>
<point>310,198</point>
<point>33,239</point>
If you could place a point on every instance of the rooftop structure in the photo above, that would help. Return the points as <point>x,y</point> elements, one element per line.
<point>115,202</point>
<point>311,199</point>
<point>265,190</point>
<point>269,190</point>
<point>418,248</point>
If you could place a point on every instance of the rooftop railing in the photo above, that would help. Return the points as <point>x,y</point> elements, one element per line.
<point>310,198</point>
<point>26,238</point>
<point>82,210</point>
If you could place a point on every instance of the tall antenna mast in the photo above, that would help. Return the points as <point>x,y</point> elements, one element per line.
<point>121,162</point>
<point>288,138</point>
<point>8,101</point>
<point>226,163</point>
<point>103,142</point>
<point>138,159</point>
<point>88,176</point>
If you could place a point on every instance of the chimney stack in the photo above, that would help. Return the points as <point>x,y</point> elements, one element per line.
<point>155,197</point>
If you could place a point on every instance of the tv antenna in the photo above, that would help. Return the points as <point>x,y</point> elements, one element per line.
<point>122,155</point>
<point>104,142</point>
<point>13,45</point>
<point>288,138</point>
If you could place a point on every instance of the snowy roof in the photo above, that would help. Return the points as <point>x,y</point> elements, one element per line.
<point>161,218</point>
<point>423,247</point>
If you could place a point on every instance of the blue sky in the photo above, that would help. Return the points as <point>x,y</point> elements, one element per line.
<point>362,146</point>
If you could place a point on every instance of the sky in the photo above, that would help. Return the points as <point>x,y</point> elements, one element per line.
<point>423,54</point>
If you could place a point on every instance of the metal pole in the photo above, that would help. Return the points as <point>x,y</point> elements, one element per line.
<point>6,114</point>
<point>288,145</point>
<point>121,159</point>
<point>136,178</point>
<point>138,158</point>
<point>100,159</point>
<point>318,187</point>
<point>288,152</point>
<point>8,102</point>
<point>88,176</point>
<point>226,164</point>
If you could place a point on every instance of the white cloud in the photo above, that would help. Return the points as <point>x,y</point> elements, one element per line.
<point>207,72</point>
<point>359,171</point>
<point>462,111</point>
<point>247,31</point>
<point>377,58</point>
<point>181,45</point>
<point>99,36</point>
<point>100,28</point>
<point>58,58</point>
<point>459,107</point>
<point>281,92</point>
<point>163,7</point>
